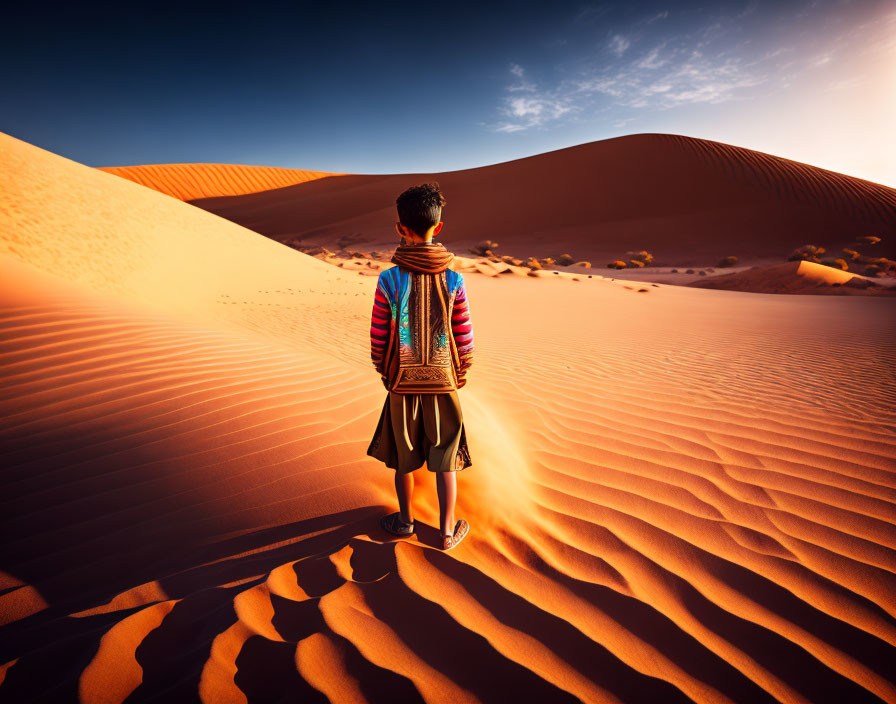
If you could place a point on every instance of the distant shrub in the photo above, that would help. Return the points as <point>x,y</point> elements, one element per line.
<point>360,255</point>
<point>674,271</point>
<point>851,253</point>
<point>618,264</point>
<point>565,260</point>
<point>808,252</point>
<point>727,261</point>
<point>637,263</point>
<point>873,270</point>
<point>642,256</point>
<point>642,290</point>
<point>583,265</point>
<point>689,271</point>
<point>317,251</point>
<point>836,263</point>
<point>702,273</point>
<point>547,261</point>
<point>533,263</point>
<point>868,239</point>
<point>484,248</point>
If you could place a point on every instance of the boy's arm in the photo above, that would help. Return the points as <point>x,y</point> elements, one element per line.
<point>462,329</point>
<point>380,322</point>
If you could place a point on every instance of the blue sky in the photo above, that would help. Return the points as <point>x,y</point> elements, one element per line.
<point>416,87</point>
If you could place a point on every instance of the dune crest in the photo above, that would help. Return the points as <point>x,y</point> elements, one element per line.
<point>193,181</point>
<point>677,495</point>
<point>801,277</point>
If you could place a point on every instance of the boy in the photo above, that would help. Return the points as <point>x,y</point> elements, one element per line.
<point>421,343</point>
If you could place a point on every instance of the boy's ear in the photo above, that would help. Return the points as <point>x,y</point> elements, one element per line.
<point>437,228</point>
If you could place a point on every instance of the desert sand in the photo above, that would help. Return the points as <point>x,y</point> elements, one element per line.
<point>677,494</point>
<point>688,201</point>
<point>800,277</point>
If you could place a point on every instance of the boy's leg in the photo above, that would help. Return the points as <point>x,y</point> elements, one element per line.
<point>446,487</point>
<point>407,424</point>
<point>443,423</point>
<point>404,488</point>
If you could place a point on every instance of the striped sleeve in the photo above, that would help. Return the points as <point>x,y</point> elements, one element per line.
<point>462,329</point>
<point>380,322</point>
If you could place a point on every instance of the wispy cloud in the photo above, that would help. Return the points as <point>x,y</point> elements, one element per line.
<point>522,83</point>
<point>618,44</point>
<point>711,64</point>
<point>526,112</point>
<point>657,82</point>
<point>652,59</point>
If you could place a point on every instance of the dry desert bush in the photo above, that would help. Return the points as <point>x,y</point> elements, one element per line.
<point>835,264</point>
<point>642,256</point>
<point>486,248</point>
<point>808,252</point>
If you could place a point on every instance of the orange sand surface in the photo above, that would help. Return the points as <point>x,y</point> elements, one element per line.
<point>801,277</point>
<point>192,181</point>
<point>688,201</point>
<point>677,494</point>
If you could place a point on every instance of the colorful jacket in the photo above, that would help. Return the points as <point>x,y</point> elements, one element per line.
<point>421,336</point>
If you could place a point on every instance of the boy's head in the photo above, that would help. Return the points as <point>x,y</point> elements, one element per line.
<point>420,213</point>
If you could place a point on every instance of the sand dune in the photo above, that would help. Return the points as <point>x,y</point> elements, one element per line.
<point>688,201</point>
<point>192,181</point>
<point>676,494</point>
<point>801,277</point>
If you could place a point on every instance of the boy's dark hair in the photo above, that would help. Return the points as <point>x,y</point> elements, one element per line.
<point>420,207</point>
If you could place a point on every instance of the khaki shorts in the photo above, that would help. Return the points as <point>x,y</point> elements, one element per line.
<point>418,428</point>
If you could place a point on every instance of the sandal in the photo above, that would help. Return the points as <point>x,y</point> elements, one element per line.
<point>394,525</point>
<point>461,528</point>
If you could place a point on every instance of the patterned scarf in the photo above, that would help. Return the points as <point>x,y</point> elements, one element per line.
<point>425,258</point>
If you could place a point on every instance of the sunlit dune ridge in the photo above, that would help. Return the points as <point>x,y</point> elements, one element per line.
<point>192,181</point>
<point>676,495</point>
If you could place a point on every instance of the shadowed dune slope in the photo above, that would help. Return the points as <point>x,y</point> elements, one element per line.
<point>676,494</point>
<point>688,201</point>
<point>192,181</point>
